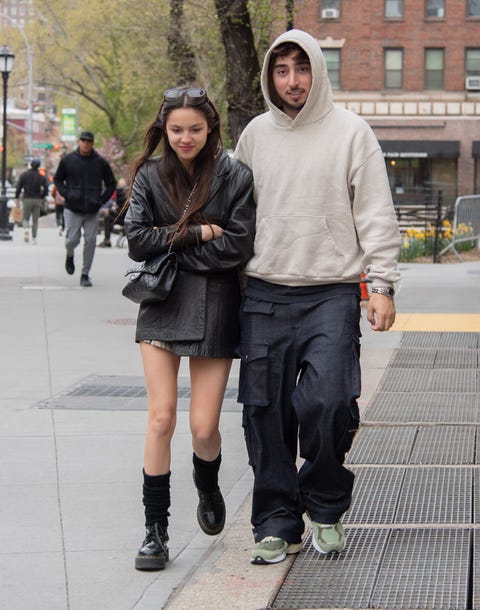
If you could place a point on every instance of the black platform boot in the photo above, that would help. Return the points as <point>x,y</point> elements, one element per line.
<point>211,506</point>
<point>153,554</point>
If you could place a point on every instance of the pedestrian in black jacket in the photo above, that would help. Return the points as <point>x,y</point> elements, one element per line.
<point>35,188</point>
<point>86,181</point>
<point>213,240</point>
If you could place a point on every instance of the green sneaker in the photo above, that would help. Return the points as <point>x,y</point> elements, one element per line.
<point>328,538</point>
<point>273,550</point>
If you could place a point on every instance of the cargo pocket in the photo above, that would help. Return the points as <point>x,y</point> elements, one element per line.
<point>253,381</point>
<point>248,436</point>
<point>349,422</point>
<point>348,434</point>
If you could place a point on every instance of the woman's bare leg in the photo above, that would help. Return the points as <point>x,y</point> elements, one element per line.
<point>209,378</point>
<point>161,370</point>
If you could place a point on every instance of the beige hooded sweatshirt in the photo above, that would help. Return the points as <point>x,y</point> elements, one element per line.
<point>324,207</point>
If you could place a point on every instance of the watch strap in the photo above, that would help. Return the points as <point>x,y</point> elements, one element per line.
<point>388,292</point>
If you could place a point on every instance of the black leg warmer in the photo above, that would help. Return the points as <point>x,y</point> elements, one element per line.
<point>156,498</point>
<point>206,473</point>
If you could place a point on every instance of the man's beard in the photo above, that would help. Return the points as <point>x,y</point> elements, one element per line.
<point>296,107</point>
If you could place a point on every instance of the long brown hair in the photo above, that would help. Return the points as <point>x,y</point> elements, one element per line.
<point>176,180</point>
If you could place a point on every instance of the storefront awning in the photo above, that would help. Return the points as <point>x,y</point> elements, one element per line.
<point>475,148</point>
<point>415,149</point>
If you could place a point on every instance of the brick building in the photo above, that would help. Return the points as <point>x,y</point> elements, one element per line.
<point>411,68</point>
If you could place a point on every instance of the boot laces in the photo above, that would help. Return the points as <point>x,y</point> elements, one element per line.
<point>212,498</point>
<point>158,533</point>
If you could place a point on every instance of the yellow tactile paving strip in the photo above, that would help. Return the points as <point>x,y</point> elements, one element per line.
<point>438,322</point>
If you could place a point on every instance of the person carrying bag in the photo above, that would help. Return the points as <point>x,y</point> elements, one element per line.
<point>195,203</point>
<point>153,280</point>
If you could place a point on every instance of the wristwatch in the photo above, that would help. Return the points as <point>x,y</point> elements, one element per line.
<point>388,292</point>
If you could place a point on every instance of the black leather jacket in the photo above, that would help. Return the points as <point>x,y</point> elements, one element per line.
<point>148,223</point>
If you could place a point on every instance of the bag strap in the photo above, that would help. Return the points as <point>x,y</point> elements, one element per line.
<point>188,203</point>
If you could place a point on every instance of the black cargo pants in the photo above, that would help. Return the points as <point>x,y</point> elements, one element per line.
<point>299,381</point>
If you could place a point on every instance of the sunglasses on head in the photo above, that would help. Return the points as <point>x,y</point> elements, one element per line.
<point>195,96</point>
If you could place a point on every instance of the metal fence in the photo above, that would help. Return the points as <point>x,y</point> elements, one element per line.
<point>467,213</point>
<point>422,209</point>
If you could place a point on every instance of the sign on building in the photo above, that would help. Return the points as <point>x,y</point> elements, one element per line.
<point>69,124</point>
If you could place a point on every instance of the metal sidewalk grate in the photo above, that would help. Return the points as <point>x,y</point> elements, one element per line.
<point>426,380</point>
<point>413,358</point>
<point>117,393</point>
<point>460,340</point>
<point>424,569</point>
<point>344,580</point>
<point>436,358</point>
<point>444,445</point>
<point>427,495</point>
<point>88,389</point>
<point>436,495</point>
<point>375,495</point>
<point>383,569</point>
<point>423,407</point>
<point>414,523</point>
<point>476,570</point>
<point>456,358</point>
<point>476,508</point>
<point>413,445</point>
<point>391,445</point>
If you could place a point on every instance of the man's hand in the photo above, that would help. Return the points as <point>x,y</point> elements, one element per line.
<point>380,312</point>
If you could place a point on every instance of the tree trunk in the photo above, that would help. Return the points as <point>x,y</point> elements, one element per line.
<point>180,51</point>
<point>289,7</point>
<point>243,91</point>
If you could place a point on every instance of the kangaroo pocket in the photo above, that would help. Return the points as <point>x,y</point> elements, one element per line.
<point>300,246</point>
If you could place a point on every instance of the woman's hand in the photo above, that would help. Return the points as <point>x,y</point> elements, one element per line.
<point>210,232</point>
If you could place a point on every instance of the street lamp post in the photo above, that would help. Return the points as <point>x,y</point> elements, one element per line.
<point>29,131</point>
<point>6,65</point>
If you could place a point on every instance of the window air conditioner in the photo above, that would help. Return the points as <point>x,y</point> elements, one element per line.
<point>472,83</point>
<point>330,13</point>
<point>436,12</point>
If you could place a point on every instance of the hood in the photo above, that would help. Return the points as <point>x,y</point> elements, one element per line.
<point>320,99</point>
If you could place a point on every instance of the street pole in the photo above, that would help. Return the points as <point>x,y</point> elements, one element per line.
<point>15,23</point>
<point>6,65</point>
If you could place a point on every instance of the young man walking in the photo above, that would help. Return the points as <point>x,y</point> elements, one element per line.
<point>324,216</point>
<point>86,181</point>
<point>35,188</point>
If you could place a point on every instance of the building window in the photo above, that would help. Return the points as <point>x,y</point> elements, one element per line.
<point>393,62</point>
<point>330,9</point>
<point>473,8</point>
<point>434,68</point>
<point>472,62</point>
<point>393,8</point>
<point>435,8</point>
<point>332,57</point>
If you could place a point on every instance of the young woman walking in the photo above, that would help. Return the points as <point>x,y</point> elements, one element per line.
<point>213,239</point>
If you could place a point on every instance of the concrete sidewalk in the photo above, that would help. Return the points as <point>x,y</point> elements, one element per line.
<point>71,513</point>
<point>71,517</point>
